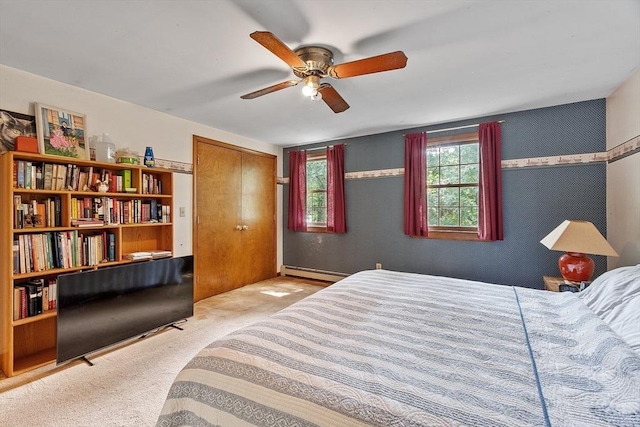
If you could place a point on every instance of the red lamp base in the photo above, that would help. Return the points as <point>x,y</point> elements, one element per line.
<point>576,267</point>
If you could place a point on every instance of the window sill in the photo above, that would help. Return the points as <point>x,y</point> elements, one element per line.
<point>317,230</point>
<point>471,236</point>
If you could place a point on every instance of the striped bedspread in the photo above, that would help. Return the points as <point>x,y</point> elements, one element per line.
<point>385,348</point>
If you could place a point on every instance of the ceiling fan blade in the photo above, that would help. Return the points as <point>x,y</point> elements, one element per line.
<point>274,88</point>
<point>374,64</point>
<point>332,98</point>
<point>279,49</point>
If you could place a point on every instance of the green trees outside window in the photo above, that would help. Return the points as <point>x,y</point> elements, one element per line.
<point>317,191</point>
<point>452,185</point>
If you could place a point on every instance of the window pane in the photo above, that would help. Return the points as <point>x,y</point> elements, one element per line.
<point>449,217</point>
<point>469,153</point>
<point>452,168</point>
<point>449,155</point>
<point>469,174</point>
<point>432,197</point>
<point>317,175</point>
<point>469,196</point>
<point>450,175</point>
<point>317,207</point>
<point>433,176</point>
<point>316,191</point>
<point>432,157</point>
<point>449,196</point>
<point>469,217</point>
<point>432,216</point>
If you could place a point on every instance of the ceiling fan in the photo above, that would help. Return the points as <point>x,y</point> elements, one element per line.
<point>312,63</point>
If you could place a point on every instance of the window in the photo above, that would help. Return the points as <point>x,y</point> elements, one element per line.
<point>316,192</point>
<point>453,167</point>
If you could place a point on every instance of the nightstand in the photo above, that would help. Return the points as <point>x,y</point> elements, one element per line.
<point>553,283</point>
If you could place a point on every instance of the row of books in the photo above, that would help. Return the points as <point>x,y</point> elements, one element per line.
<point>151,184</point>
<point>59,177</point>
<point>36,213</point>
<point>34,297</point>
<point>61,249</point>
<point>114,211</point>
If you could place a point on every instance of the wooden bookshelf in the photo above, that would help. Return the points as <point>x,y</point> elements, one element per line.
<point>30,342</point>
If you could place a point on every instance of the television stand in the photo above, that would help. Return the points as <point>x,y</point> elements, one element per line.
<point>87,361</point>
<point>170,325</point>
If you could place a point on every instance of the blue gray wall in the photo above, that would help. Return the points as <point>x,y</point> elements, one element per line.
<point>536,200</point>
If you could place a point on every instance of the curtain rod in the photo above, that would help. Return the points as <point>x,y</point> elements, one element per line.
<point>315,148</point>
<point>454,128</point>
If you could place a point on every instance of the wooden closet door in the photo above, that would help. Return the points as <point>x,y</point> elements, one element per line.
<point>218,207</point>
<point>258,216</point>
<point>235,208</point>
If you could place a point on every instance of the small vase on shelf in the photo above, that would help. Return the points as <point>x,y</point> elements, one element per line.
<point>149,160</point>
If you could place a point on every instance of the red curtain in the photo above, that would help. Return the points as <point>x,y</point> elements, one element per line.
<point>490,225</point>
<point>336,210</point>
<point>297,191</point>
<point>415,192</point>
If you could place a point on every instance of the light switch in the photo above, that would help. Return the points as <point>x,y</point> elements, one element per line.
<point>182,210</point>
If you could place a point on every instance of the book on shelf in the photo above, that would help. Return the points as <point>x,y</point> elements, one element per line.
<point>39,176</point>
<point>27,175</point>
<point>138,256</point>
<point>20,172</point>
<point>86,222</point>
<point>48,175</point>
<point>16,256</point>
<point>156,254</point>
<point>19,302</point>
<point>33,289</point>
<point>126,178</point>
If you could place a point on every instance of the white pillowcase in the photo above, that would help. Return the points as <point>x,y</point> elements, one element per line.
<point>615,298</point>
<point>611,288</point>
<point>624,320</point>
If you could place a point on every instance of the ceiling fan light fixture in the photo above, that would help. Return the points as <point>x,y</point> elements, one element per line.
<point>311,85</point>
<point>308,90</point>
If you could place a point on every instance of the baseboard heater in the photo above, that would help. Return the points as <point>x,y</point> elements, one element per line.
<point>311,273</point>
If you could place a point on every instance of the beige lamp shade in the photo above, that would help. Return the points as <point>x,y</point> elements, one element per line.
<point>578,236</point>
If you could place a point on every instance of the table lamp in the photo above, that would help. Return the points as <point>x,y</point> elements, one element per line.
<point>577,238</point>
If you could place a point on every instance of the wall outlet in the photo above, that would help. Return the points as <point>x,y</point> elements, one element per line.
<point>378,266</point>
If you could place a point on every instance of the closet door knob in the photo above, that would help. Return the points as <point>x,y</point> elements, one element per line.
<point>238,227</point>
<point>244,227</point>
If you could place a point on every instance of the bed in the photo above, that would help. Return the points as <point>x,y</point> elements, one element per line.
<point>385,348</point>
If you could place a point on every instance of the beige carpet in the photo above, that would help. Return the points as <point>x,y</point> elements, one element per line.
<point>128,384</point>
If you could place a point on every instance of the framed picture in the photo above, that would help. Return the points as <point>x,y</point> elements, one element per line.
<point>61,132</point>
<point>13,125</point>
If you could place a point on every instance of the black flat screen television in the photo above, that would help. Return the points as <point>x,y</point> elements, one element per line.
<point>109,305</point>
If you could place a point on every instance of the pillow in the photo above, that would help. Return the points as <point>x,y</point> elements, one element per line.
<point>611,288</point>
<point>615,298</point>
<point>624,319</point>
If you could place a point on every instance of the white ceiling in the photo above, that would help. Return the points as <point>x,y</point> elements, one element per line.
<point>193,59</point>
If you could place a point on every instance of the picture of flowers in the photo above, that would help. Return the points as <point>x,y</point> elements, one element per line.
<point>61,132</point>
